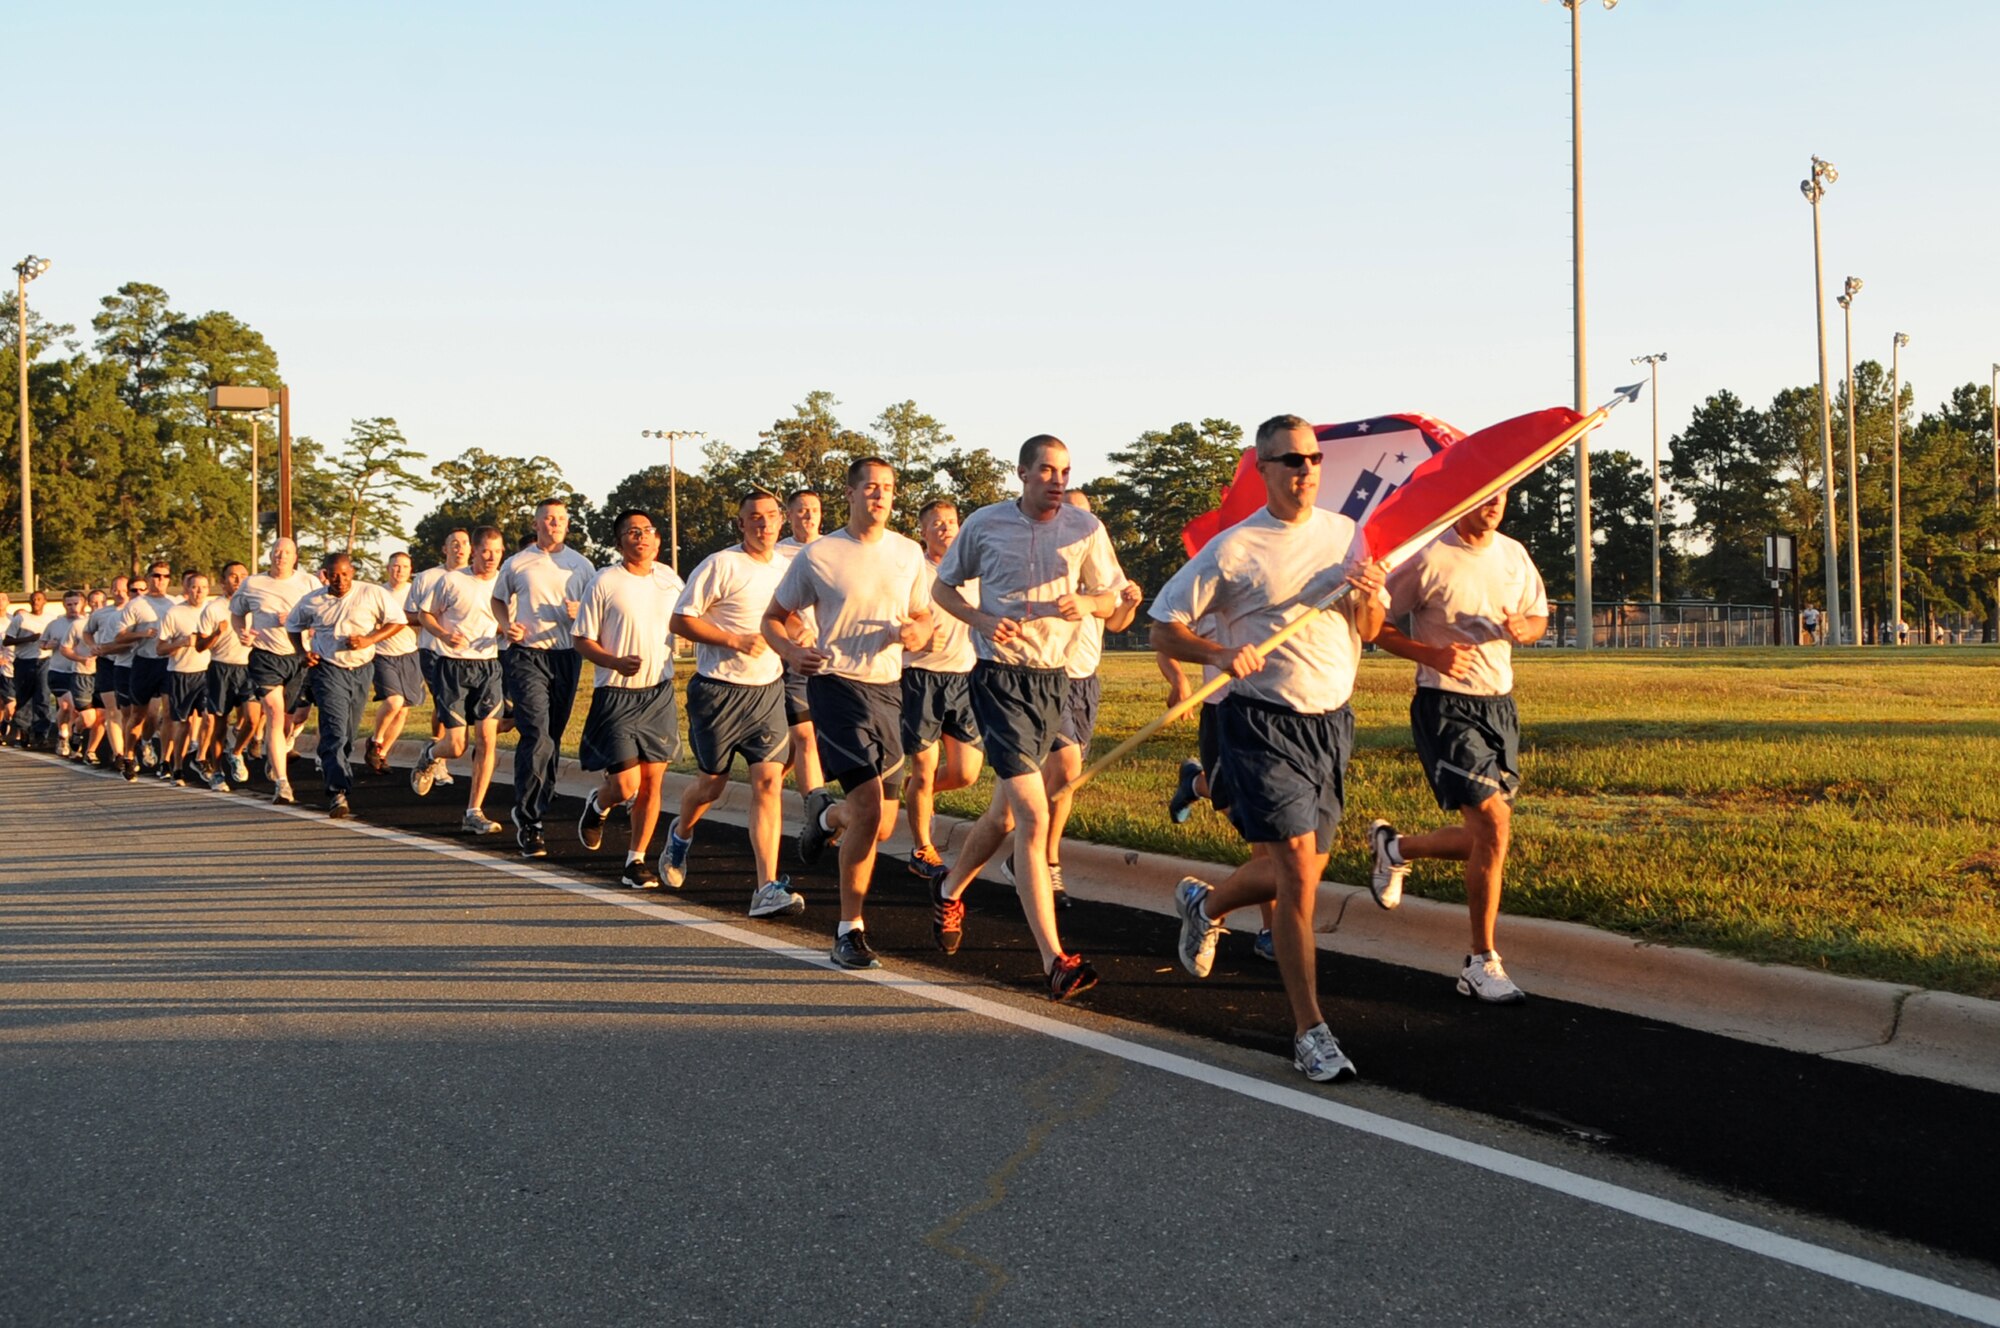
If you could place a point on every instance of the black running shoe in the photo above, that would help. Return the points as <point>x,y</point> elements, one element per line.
<point>590,826</point>
<point>947,918</point>
<point>639,875</point>
<point>813,836</point>
<point>1071,975</point>
<point>851,951</point>
<point>337,808</point>
<point>131,768</point>
<point>528,835</point>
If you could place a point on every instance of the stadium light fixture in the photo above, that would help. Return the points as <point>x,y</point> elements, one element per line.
<point>672,437</point>
<point>1814,189</point>
<point>1901,340</point>
<point>26,270</point>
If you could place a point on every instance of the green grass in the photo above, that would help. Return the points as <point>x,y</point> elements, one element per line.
<point>1838,811</point>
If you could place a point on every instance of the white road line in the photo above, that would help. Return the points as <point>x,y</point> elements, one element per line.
<point>1663,1212</point>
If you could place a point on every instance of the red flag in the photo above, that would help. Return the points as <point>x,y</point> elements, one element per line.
<point>1465,475</point>
<point>1366,461</point>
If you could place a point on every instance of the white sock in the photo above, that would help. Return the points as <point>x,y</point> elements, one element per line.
<point>632,857</point>
<point>822,820</point>
<point>846,927</point>
<point>1396,851</point>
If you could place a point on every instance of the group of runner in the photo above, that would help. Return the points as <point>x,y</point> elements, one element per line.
<point>890,668</point>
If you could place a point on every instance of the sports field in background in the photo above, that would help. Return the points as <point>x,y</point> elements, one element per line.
<point>1832,810</point>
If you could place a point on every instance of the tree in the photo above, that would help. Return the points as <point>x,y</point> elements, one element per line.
<point>375,475</point>
<point>133,328</point>
<point>1163,480</point>
<point>481,488</point>
<point>1541,513</point>
<point>1728,467</point>
<point>810,448</point>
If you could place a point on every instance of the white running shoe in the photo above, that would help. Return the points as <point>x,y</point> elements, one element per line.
<point>776,899</point>
<point>443,775</point>
<point>424,773</point>
<point>1484,979</point>
<point>477,822</point>
<point>1386,881</point>
<point>282,795</point>
<point>1317,1052</point>
<point>1199,932</point>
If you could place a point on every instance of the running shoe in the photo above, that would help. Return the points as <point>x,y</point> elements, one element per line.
<point>1199,932</point>
<point>590,826</point>
<point>1262,947</point>
<point>239,771</point>
<point>62,746</point>
<point>1385,882</point>
<point>149,753</point>
<point>927,862</point>
<point>813,836</point>
<point>528,836</point>
<point>1181,805</point>
<point>851,951</point>
<point>947,918</point>
<point>1071,974</point>
<point>192,773</point>
<point>281,796</point>
<point>424,775</point>
<point>1056,885</point>
<point>477,822</point>
<point>1484,979</point>
<point>377,762</point>
<point>1317,1052</point>
<point>674,860</point>
<point>639,875</point>
<point>444,779</point>
<point>219,781</point>
<point>337,808</point>
<point>774,899</point>
<point>130,767</point>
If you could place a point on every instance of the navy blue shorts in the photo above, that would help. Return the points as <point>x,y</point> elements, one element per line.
<point>400,675</point>
<point>427,662</point>
<point>858,728</point>
<point>228,687</point>
<point>798,709</point>
<point>7,684</point>
<point>937,705</point>
<point>149,679</point>
<point>1470,745</point>
<point>630,726</point>
<point>1283,774</point>
<point>467,691</point>
<point>727,719</point>
<point>1079,719</point>
<point>270,671</point>
<point>187,695</point>
<point>1208,750</point>
<point>121,681</point>
<point>1020,711</point>
<point>79,687</point>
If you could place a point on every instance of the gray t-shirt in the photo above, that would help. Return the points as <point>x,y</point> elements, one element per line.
<point>263,601</point>
<point>862,594</point>
<point>630,614</point>
<point>229,648</point>
<point>1259,575</point>
<point>464,602</point>
<point>420,588</point>
<point>71,632</point>
<point>731,590</point>
<point>104,630</point>
<point>327,620</point>
<point>144,613</point>
<point>534,584</point>
<point>1460,595</point>
<point>182,620</point>
<point>1023,567</point>
<point>950,648</point>
<point>27,620</point>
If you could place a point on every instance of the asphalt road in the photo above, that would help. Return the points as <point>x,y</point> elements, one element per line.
<point>263,1068</point>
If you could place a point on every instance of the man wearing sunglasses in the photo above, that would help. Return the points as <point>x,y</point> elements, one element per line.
<point>1286,730</point>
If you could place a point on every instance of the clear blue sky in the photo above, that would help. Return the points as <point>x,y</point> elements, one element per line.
<point>538,228</point>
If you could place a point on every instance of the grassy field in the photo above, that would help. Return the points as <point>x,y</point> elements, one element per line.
<point>1836,811</point>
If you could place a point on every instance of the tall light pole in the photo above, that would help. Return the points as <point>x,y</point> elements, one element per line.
<point>1814,187</point>
<point>1847,294</point>
<point>1585,609</point>
<point>26,270</point>
<point>1653,362</point>
<point>1993,400</point>
<point>1896,488</point>
<point>673,436</point>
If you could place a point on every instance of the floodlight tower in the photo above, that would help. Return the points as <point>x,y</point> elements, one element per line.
<point>1814,188</point>
<point>673,436</point>
<point>1896,487</point>
<point>26,270</point>
<point>1846,299</point>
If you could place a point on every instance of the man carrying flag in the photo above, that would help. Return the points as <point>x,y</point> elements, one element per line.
<point>1285,731</point>
<point>1472,594</point>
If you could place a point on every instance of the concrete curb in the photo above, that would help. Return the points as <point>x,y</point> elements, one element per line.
<point>1907,1030</point>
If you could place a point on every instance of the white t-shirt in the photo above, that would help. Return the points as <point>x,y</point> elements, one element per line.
<point>331,619</point>
<point>950,649</point>
<point>27,620</point>
<point>420,587</point>
<point>104,629</point>
<point>71,632</point>
<point>731,590</point>
<point>1461,595</point>
<point>145,613</point>
<point>463,601</point>
<point>629,614</point>
<point>534,584</point>
<point>786,550</point>
<point>405,641</point>
<point>263,601</point>
<point>1259,575</point>
<point>183,619</point>
<point>862,595</point>
<point>1023,567</point>
<point>229,648</point>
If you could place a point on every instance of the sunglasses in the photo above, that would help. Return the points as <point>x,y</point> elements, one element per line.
<point>1299,460</point>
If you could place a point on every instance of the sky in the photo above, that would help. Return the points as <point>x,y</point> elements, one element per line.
<point>542,229</point>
